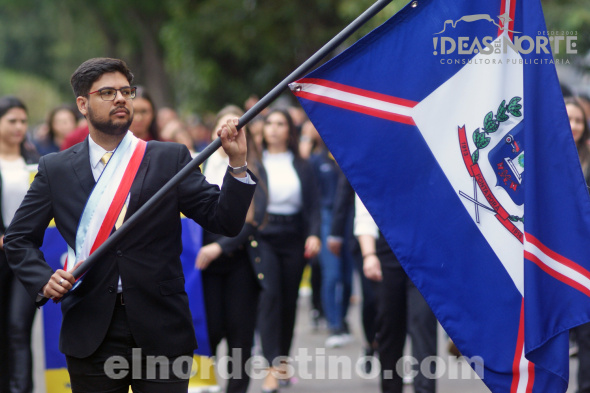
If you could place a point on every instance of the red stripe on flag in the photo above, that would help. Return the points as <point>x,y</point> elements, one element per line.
<point>359,92</point>
<point>557,257</point>
<point>558,276</point>
<point>512,14</point>
<point>531,382</point>
<point>518,353</point>
<point>502,12</point>
<point>356,108</point>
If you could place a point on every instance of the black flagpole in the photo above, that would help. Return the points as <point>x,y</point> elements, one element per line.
<point>152,203</point>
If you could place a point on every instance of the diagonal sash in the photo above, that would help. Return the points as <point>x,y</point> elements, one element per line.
<point>106,200</point>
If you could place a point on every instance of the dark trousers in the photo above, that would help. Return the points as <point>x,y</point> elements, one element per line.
<point>5,286</point>
<point>17,312</point>
<point>316,286</point>
<point>20,324</point>
<point>231,301</point>
<point>369,307</point>
<point>582,333</point>
<point>105,372</point>
<point>282,263</point>
<point>402,309</point>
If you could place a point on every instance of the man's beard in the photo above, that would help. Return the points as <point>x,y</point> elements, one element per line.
<point>108,127</point>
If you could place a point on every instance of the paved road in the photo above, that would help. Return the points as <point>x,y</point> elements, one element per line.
<point>323,370</point>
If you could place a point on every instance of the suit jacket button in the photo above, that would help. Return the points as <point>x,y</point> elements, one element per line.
<point>260,276</point>
<point>257,259</point>
<point>119,253</point>
<point>254,244</point>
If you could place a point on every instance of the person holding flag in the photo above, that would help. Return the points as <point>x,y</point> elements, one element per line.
<point>132,304</point>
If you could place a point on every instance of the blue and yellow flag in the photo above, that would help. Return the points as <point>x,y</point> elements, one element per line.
<point>56,375</point>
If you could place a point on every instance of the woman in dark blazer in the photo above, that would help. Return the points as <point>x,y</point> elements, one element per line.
<point>231,266</point>
<point>290,236</point>
<point>17,310</point>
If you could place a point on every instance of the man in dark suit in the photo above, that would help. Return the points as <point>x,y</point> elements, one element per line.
<point>131,305</point>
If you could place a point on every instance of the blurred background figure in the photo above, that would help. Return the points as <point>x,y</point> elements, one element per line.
<point>199,132</point>
<point>144,124</point>
<point>164,116</point>
<point>251,101</point>
<point>291,235</point>
<point>61,122</point>
<point>402,310</point>
<point>229,265</point>
<point>584,101</point>
<point>336,270</point>
<point>299,117</point>
<point>17,309</point>
<point>256,127</point>
<point>581,133</point>
<point>176,131</point>
<point>579,126</point>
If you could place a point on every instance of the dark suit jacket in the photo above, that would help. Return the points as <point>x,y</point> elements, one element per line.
<point>248,238</point>
<point>147,259</point>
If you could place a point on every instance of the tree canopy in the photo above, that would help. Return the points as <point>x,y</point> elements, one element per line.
<point>196,55</point>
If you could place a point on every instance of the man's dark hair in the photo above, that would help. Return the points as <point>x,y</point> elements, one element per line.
<point>91,70</point>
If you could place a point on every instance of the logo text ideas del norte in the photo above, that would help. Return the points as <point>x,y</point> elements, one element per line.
<point>545,42</point>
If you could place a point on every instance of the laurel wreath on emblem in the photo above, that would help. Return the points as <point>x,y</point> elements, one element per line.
<point>491,124</point>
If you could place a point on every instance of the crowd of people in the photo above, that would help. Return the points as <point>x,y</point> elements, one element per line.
<point>302,214</point>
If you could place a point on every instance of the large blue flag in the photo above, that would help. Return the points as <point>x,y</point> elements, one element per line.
<point>429,117</point>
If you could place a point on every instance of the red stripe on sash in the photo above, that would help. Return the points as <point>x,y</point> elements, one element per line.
<point>120,196</point>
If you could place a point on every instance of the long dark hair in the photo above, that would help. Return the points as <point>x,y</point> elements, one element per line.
<point>27,149</point>
<point>153,128</point>
<point>582,143</point>
<point>293,139</point>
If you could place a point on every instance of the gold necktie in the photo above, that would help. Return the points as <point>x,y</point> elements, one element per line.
<point>105,159</point>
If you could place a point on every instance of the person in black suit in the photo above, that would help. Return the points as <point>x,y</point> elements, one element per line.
<point>132,303</point>
<point>290,236</point>
<point>401,309</point>
<point>17,311</point>
<point>229,269</point>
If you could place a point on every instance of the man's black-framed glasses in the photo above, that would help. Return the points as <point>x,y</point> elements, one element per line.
<point>110,93</point>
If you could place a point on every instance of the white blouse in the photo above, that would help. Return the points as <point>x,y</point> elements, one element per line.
<point>215,168</point>
<point>363,221</point>
<point>284,186</point>
<point>15,183</point>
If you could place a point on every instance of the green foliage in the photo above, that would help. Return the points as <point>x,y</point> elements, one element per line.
<point>199,55</point>
<point>38,94</point>
<point>480,139</point>
<point>501,115</point>
<point>514,107</point>
<point>569,16</point>
<point>489,124</point>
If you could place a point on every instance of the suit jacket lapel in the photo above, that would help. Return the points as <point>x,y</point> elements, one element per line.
<point>81,165</point>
